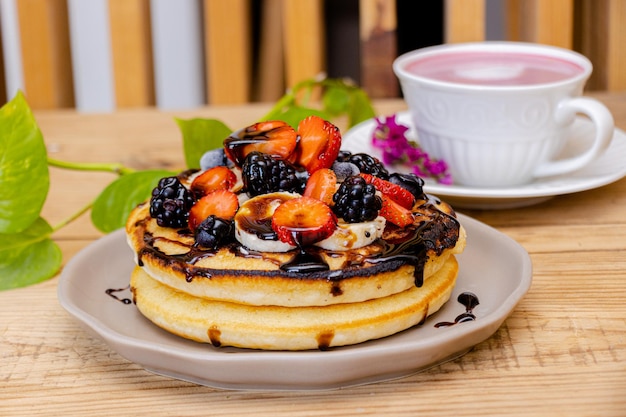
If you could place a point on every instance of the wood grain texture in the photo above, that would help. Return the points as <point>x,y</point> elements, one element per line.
<point>3,74</point>
<point>561,352</point>
<point>547,22</point>
<point>464,21</point>
<point>616,65</point>
<point>45,47</point>
<point>600,36</point>
<point>303,37</point>
<point>228,51</point>
<point>131,51</point>
<point>378,37</point>
<point>269,72</point>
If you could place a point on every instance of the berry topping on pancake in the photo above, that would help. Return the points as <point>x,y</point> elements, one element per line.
<point>284,242</point>
<point>303,221</point>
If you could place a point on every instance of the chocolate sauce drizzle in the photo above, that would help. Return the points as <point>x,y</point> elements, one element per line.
<point>470,301</point>
<point>215,334</point>
<point>324,340</point>
<point>305,262</point>
<point>410,248</point>
<point>262,228</point>
<point>234,144</point>
<point>410,251</point>
<point>112,292</point>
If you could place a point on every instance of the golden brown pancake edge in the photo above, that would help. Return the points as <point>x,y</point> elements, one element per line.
<point>290,328</point>
<point>251,280</point>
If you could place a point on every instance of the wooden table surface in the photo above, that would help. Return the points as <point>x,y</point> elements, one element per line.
<point>562,352</point>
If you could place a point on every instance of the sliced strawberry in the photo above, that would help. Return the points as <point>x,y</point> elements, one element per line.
<point>303,221</point>
<point>273,137</point>
<point>321,185</point>
<point>319,143</point>
<point>397,193</point>
<point>395,213</point>
<point>220,203</point>
<point>216,178</point>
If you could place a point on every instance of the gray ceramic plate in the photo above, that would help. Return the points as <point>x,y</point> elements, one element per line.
<point>493,267</point>
<point>608,168</point>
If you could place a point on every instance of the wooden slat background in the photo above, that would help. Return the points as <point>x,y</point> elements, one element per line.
<point>270,66</point>
<point>131,48</point>
<point>602,38</point>
<point>549,22</point>
<point>45,46</point>
<point>291,45</point>
<point>378,37</point>
<point>228,51</point>
<point>303,39</point>
<point>465,20</point>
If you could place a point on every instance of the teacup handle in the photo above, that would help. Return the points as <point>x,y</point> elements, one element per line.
<point>604,126</point>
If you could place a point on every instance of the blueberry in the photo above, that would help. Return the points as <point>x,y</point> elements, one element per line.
<point>344,170</point>
<point>343,156</point>
<point>213,158</point>
<point>369,165</point>
<point>213,231</point>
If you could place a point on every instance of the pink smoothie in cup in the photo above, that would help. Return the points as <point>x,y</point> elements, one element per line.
<point>494,68</point>
<point>499,113</point>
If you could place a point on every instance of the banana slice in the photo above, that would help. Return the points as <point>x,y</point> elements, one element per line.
<point>353,235</point>
<point>253,227</point>
<point>253,223</point>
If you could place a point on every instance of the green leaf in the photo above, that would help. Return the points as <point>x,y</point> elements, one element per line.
<point>293,115</point>
<point>28,257</point>
<point>360,108</point>
<point>116,201</point>
<point>24,178</point>
<point>336,100</point>
<point>199,136</point>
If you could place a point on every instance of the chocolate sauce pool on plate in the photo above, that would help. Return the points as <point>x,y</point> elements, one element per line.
<point>469,300</point>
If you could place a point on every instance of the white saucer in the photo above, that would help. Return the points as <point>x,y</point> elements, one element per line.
<point>493,267</point>
<point>610,167</point>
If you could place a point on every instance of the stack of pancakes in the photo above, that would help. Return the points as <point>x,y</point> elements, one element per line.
<point>236,297</point>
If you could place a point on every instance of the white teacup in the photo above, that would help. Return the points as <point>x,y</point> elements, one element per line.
<point>498,112</point>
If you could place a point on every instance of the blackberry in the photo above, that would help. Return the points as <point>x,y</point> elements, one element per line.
<point>356,200</point>
<point>410,182</point>
<point>262,174</point>
<point>369,165</point>
<point>343,156</point>
<point>170,203</point>
<point>213,231</point>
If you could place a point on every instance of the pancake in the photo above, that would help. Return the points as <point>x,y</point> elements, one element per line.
<point>235,274</point>
<point>289,245</point>
<point>290,328</point>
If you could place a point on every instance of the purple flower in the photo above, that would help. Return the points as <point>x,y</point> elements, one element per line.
<point>390,138</point>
